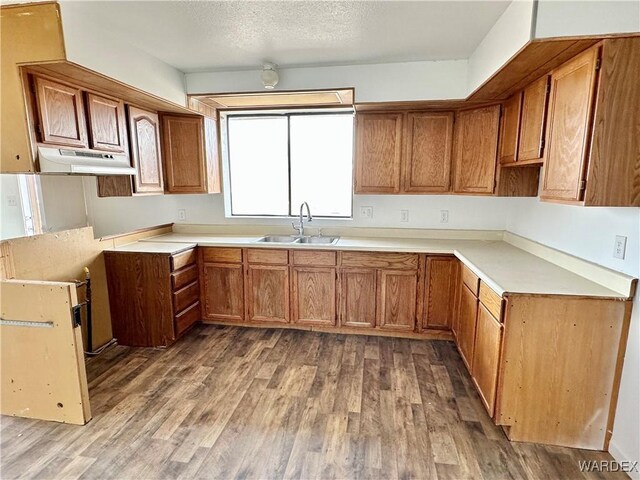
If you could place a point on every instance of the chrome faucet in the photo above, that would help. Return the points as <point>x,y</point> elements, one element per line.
<point>300,226</point>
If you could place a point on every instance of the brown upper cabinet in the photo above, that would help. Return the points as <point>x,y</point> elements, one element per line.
<point>427,161</point>
<point>190,153</point>
<point>107,129</point>
<point>476,148</point>
<point>61,119</point>
<point>593,144</point>
<point>403,152</point>
<point>532,121</point>
<point>378,152</point>
<point>144,127</point>
<point>510,129</point>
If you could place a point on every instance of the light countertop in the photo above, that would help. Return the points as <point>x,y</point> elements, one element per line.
<point>168,248</point>
<point>502,266</point>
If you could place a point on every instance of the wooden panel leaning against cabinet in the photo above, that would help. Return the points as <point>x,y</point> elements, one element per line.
<point>475,150</point>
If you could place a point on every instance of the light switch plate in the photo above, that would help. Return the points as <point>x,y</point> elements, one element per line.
<point>182,214</point>
<point>444,216</point>
<point>404,215</point>
<point>12,201</point>
<point>366,212</point>
<point>620,247</point>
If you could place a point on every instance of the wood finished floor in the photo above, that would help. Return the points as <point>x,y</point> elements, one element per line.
<point>228,402</point>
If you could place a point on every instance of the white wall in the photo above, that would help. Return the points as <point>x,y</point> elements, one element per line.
<point>63,201</point>
<point>12,220</point>
<point>90,44</point>
<point>589,233</point>
<point>557,18</point>
<point>373,83</point>
<point>508,35</point>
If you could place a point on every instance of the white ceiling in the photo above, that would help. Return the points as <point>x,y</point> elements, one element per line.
<point>236,35</point>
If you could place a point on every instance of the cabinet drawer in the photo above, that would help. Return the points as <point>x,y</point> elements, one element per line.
<point>470,279</point>
<point>186,296</point>
<point>184,277</point>
<point>186,318</point>
<point>318,258</point>
<point>491,300</point>
<point>222,255</point>
<point>181,260</point>
<point>396,261</point>
<point>267,256</point>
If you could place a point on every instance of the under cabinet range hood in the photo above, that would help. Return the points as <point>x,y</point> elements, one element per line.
<point>82,162</point>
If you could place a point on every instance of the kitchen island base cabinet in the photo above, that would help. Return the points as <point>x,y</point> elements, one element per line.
<point>153,297</point>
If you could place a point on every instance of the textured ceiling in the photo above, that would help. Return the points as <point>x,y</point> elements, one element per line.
<point>233,35</point>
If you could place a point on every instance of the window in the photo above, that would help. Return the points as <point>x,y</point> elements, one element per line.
<point>279,160</point>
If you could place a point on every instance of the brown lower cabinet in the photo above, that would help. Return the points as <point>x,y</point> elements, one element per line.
<point>486,356</point>
<point>153,297</point>
<point>313,292</point>
<point>267,293</point>
<point>397,299</point>
<point>358,297</point>
<point>223,291</point>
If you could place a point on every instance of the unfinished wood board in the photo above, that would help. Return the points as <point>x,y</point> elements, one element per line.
<point>62,257</point>
<point>43,372</point>
<point>30,33</point>
<point>560,369</point>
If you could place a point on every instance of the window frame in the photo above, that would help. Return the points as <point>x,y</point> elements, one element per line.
<point>279,113</point>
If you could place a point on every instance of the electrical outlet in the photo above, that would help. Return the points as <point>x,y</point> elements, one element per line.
<point>366,212</point>
<point>12,201</point>
<point>620,247</point>
<point>182,214</point>
<point>444,216</point>
<point>404,215</point>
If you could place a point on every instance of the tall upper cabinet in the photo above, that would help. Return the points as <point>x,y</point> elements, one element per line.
<point>476,145</point>
<point>593,145</point>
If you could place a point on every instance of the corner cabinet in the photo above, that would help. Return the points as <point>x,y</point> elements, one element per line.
<point>475,150</point>
<point>592,143</point>
<point>190,153</point>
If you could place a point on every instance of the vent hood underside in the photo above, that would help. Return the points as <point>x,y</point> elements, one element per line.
<point>81,162</point>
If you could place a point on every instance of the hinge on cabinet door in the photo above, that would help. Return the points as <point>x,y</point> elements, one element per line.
<point>583,184</point>
<point>598,63</point>
<point>542,144</point>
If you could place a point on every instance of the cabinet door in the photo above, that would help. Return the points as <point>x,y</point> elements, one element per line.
<point>467,313</point>
<point>144,127</point>
<point>533,118</point>
<point>184,154</point>
<point>268,293</point>
<point>510,129</point>
<point>396,299</point>
<point>427,161</point>
<point>440,292</point>
<point>358,295</point>
<point>223,291</point>
<point>569,125</point>
<point>476,148</point>
<point>314,295</point>
<point>107,129</point>
<point>378,152</point>
<point>486,357</point>
<point>61,114</point>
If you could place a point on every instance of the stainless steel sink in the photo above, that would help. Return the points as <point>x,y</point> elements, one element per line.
<point>306,240</point>
<point>319,240</point>
<point>279,239</point>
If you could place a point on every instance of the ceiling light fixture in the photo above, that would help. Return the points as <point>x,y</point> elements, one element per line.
<point>269,76</point>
